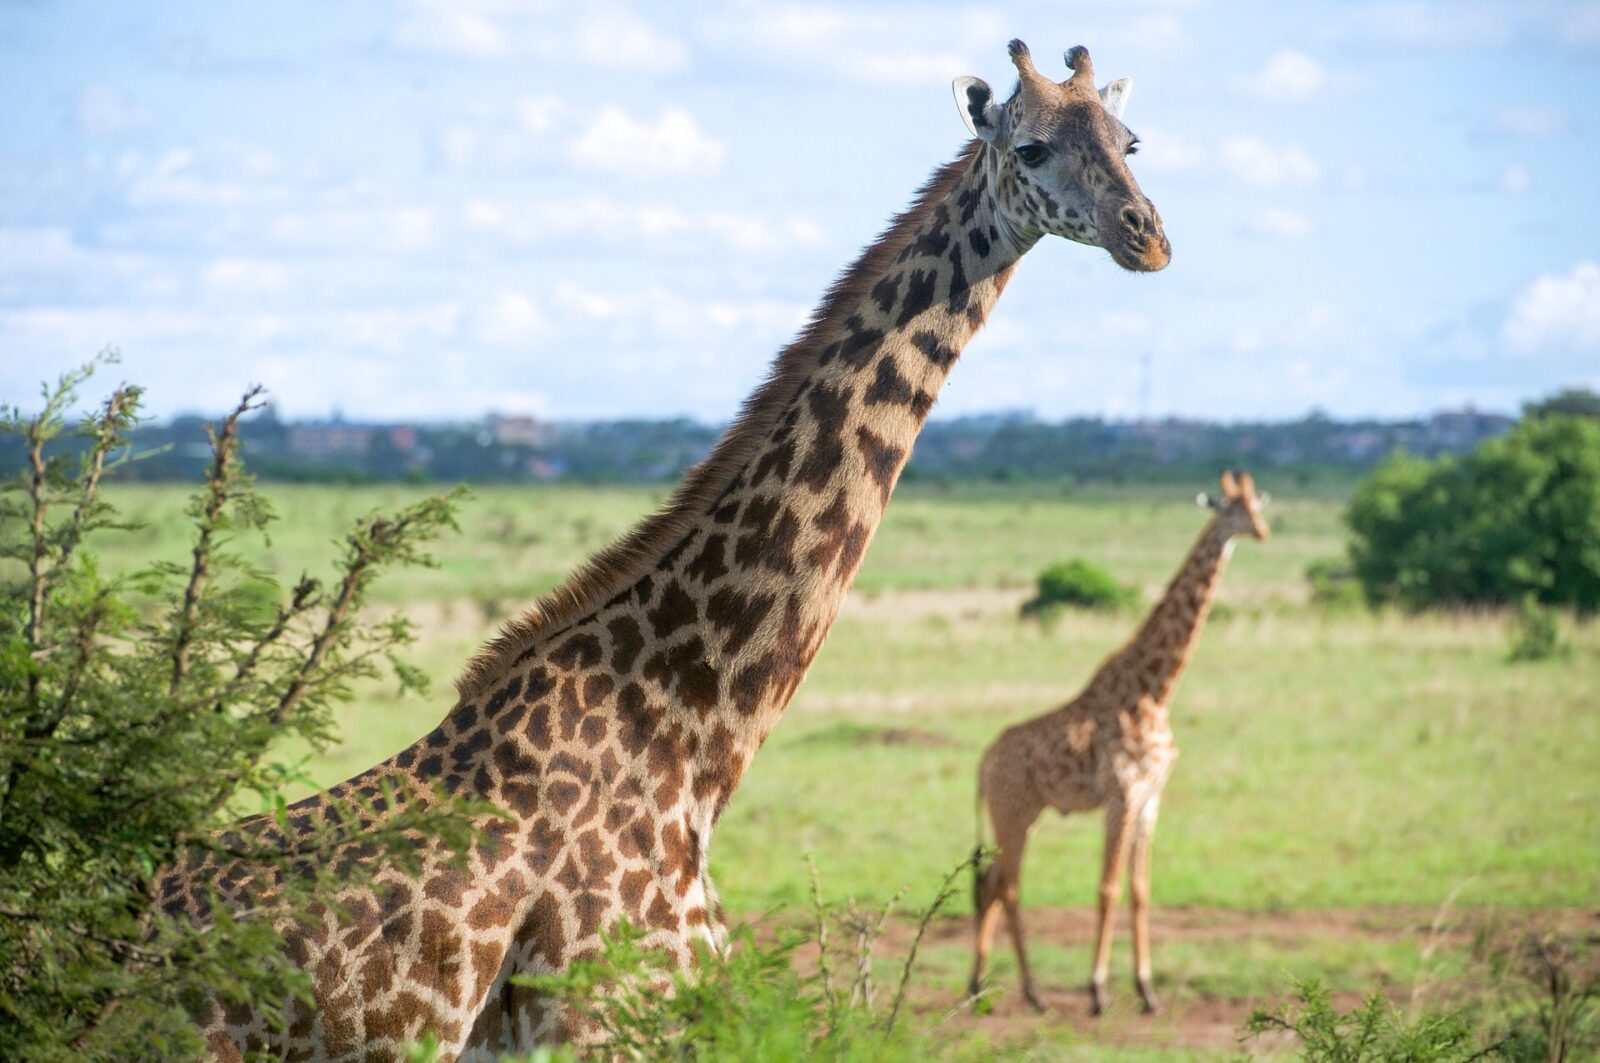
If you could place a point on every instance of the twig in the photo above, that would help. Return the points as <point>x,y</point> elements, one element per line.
<point>824,968</point>
<point>946,890</point>
<point>219,482</point>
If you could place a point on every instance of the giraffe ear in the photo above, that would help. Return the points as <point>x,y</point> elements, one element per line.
<point>1114,96</point>
<point>976,100</point>
<point>1205,501</point>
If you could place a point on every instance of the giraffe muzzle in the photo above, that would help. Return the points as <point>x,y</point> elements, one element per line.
<point>1137,241</point>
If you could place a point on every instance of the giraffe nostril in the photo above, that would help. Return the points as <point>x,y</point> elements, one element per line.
<point>1132,219</point>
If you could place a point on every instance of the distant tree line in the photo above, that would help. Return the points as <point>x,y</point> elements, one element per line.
<point>996,447</point>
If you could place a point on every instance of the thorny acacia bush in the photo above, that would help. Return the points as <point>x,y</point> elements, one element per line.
<point>137,715</point>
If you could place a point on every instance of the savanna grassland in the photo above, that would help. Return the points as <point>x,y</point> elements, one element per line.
<point>1372,799</point>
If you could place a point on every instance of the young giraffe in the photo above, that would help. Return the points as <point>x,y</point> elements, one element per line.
<point>614,719</point>
<point>1110,746</point>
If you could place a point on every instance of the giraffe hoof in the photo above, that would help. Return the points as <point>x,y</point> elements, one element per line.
<point>1097,999</point>
<point>1147,993</point>
<point>973,987</point>
<point>1031,995</point>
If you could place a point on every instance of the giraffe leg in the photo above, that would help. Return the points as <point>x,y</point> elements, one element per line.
<point>1139,890</point>
<point>986,917</point>
<point>1119,835</point>
<point>1012,838</point>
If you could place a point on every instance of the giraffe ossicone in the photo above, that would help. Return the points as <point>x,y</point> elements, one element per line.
<point>613,720</point>
<point>1110,747</point>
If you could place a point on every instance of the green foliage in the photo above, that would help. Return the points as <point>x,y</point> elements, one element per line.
<point>1536,633</point>
<point>1372,1032</point>
<point>1076,584</point>
<point>1518,517</point>
<point>136,713</point>
<point>1568,402</point>
<point>1550,998</point>
<point>1334,586</point>
<point>750,999</point>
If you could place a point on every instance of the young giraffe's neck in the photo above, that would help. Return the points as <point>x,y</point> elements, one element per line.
<point>691,658</point>
<point>1164,643</point>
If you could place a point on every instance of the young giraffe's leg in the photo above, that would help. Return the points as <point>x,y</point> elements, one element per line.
<point>986,917</point>
<point>1012,837</point>
<point>1139,889</point>
<point>1119,835</point>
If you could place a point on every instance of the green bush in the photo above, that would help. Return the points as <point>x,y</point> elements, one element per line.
<point>1518,517</point>
<point>1334,586</point>
<point>1536,633</point>
<point>137,713</point>
<point>1372,1032</point>
<point>1076,584</point>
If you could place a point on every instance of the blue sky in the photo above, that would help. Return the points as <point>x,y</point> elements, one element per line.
<point>436,208</point>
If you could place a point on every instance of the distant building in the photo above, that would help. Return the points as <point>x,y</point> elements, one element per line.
<point>1454,430</point>
<point>520,431</point>
<point>324,440</point>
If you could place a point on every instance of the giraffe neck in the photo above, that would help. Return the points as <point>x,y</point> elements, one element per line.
<point>691,660</point>
<point>1167,638</point>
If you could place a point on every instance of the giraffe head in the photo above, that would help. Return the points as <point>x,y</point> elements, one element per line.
<point>1062,160</point>
<point>1239,507</point>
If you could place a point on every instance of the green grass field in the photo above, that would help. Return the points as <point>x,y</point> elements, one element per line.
<point>1329,762</point>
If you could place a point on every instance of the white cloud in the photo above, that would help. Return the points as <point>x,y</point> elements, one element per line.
<point>619,221</point>
<point>394,330</point>
<point>1255,162</point>
<point>1558,311</point>
<point>621,40</point>
<point>1288,74</point>
<point>451,28</point>
<point>411,227</point>
<point>539,114</point>
<point>904,68</point>
<point>1278,223</point>
<point>511,317</point>
<point>217,174</point>
<point>1525,123</point>
<point>1162,149</point>
<point>101,110</point>
<point>1515,180</point>
<point>246,275</point>
<point>613,37</point>
<point>619,143</point>
<point>663,311</point>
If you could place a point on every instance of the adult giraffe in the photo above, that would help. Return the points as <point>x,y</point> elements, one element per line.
<point>614,719</point>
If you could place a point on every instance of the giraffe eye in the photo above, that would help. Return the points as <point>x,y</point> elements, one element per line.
<point>1032,154</point>
<point>1132,148</point>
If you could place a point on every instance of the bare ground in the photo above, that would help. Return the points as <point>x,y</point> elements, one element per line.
<point>1189,1019</point>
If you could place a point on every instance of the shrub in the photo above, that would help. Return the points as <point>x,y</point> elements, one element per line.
<point>1518,517</point>
<point>1536,633</point>
<point>1374,1031</point>
<point>1076,584</point>
<point>1334,586</point>
<point>136,713</point>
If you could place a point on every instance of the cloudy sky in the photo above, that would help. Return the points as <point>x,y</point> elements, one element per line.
<point>435,208</point>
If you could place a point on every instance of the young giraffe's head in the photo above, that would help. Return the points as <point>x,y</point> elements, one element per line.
<point>1239,508</point>
<point>1062,160</point>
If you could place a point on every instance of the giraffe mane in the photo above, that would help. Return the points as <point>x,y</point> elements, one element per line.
<point>618,566</point>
